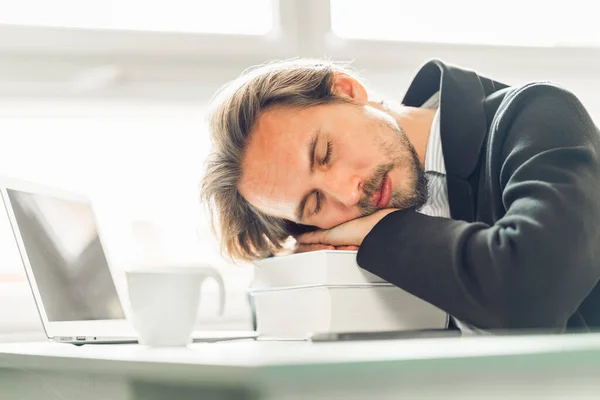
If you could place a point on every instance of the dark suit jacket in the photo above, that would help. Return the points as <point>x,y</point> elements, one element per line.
<point>522,249</point>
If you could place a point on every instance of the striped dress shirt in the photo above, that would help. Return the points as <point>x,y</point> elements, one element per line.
<point>437,204</point>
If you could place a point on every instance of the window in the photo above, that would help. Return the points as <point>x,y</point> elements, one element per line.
<point>511,22</point>
<point>252,17</point>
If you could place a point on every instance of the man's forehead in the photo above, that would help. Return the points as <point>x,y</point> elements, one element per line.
<point>274,162</point>
<point>271,191</point>
<point>277,134</point>
<point>280,117</point>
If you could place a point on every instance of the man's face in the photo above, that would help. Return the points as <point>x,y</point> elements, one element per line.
<point>328,164</point>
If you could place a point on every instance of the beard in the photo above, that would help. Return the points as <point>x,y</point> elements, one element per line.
<point>403,154</point>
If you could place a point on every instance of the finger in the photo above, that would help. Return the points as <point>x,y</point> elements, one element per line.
<point>352,247</point>
<point>303,247</point>
<point>341,235</point>
<point>312,237</point>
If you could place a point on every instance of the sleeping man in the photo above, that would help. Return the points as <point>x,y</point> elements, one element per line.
<point>478,197</point>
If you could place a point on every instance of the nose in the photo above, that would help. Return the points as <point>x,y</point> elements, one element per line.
<point>342,186</point>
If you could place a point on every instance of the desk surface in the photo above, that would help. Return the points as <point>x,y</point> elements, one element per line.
<point>545,359</point>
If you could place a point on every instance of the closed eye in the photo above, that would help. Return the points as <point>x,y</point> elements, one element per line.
<point>318,195</point>
<point>327,154</point>
<point>318,203</point>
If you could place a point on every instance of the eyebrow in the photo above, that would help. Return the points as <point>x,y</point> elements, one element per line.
<point>312,146</point>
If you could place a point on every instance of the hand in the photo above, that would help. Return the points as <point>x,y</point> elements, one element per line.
<point>303,248</point>
<point>349,233</point>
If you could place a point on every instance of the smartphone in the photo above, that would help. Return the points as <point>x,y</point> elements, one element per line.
<point>383,335</point>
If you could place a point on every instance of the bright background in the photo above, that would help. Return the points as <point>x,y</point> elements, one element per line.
<point>109,97</point>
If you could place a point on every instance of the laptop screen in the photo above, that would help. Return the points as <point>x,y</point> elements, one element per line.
<point>66,257</point>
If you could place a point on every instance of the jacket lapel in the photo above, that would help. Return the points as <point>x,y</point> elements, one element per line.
<point>463,125</point>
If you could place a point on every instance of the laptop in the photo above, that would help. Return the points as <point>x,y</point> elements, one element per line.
<point>67,268</point>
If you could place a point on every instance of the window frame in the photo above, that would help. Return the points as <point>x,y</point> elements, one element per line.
<point>407,53</point>
<point>301,28</point>
<point>16,39</point>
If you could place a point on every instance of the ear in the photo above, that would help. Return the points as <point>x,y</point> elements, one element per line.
<point>350,88</point>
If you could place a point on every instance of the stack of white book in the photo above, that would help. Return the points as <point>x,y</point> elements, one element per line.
<point>326,291</point>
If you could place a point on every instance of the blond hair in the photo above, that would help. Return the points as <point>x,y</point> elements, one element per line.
<point>246,233</point>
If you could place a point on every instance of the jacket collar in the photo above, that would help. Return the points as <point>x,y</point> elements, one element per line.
<point>463,125</point>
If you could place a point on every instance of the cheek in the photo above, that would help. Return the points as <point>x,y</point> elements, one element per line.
<point>361,154</point>
<point>403,178</point>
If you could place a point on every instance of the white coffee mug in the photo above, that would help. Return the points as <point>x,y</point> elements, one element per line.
<point>165,300</point>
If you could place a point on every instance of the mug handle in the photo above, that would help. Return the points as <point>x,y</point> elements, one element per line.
<point>211,272</point>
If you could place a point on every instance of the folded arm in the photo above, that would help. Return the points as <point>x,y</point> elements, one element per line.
<point>536,264</point>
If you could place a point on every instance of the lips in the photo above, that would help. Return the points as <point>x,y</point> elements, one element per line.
<point>386,192</point>
<point>383,196</point>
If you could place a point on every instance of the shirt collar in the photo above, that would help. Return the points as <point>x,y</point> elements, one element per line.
<point>434,156</point>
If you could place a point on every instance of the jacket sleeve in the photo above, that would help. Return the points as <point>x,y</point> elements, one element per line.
<point>536,264</point>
